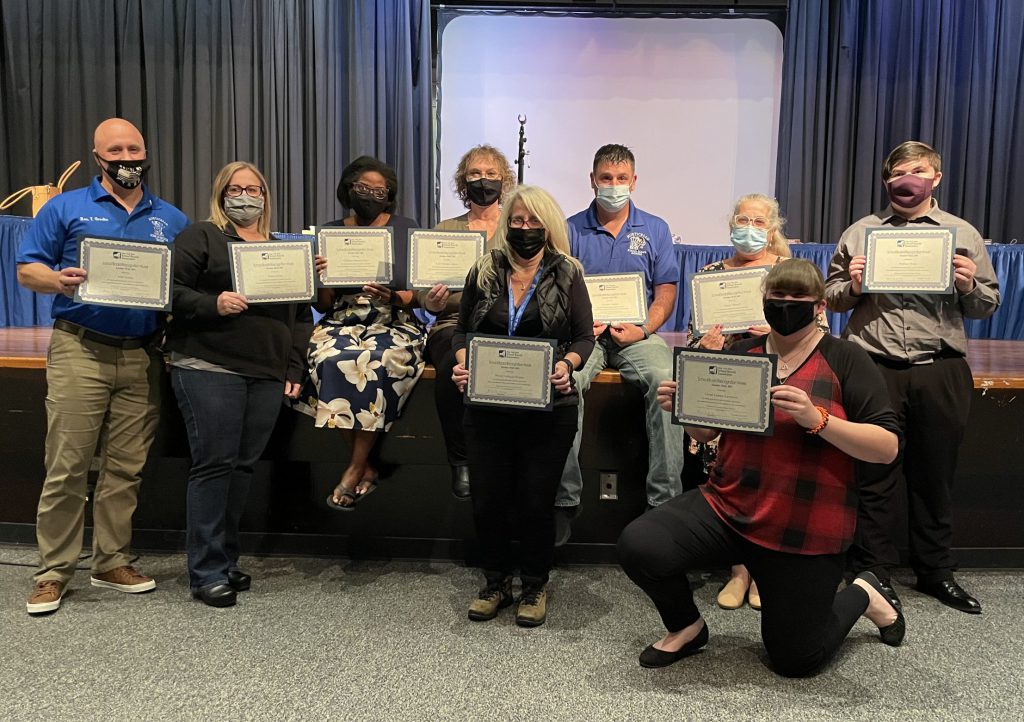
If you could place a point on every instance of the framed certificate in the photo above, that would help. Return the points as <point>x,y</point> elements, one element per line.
<point>357,256</point>
<point>732,298</point>
<point>443,257</point>
<point>618,297</point>
<point>510,372</point>
<point>274,271</point>
<point>125,273</point>
<point>724,390</point>
<point>909,260</point>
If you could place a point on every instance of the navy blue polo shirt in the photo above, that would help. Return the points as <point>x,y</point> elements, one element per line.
<point>643,245</point>
<point>53,241</point>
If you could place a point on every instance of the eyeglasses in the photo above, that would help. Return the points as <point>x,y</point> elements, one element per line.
<point>251,191</point>
<point>475,175</point>
<point>365,190</point>
<point>756,221</point>
<point>520,222</point>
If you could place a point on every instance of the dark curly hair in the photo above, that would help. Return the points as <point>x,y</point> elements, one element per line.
<point>367,164</point>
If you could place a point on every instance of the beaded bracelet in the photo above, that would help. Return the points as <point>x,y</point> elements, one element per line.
<point>824,420</point>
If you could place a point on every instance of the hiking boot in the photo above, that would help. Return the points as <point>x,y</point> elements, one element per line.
<point>124,579</point>
<point>491,598</point>
<point>45,597</point>
<point>533,607</point>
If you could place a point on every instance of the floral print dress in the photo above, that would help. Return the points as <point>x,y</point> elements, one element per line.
<point>365,357</point>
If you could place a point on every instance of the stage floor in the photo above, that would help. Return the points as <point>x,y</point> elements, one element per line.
<point>995,364</point>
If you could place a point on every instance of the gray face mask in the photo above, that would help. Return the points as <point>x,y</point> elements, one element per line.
<point>243,210</point>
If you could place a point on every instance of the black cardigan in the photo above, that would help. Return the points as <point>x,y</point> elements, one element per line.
<point>266,341</point>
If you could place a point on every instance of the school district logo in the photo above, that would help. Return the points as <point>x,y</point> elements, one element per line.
<point>264,255</point>
<point>502,353</point>
<point>638,243</point>
<point>159,224</point>
<point>713,370</point>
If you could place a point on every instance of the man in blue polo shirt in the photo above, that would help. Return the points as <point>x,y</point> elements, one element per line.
<point>614,236</point>
<point>99,371</point>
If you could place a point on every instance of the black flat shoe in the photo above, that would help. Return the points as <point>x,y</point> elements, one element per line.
<point>652,657</point>
<point>952,595</point>
<point>460,482</point>
<point>894,633</point>
<point>890,593</point>
<point>239,580</point>
<point>218,595</point>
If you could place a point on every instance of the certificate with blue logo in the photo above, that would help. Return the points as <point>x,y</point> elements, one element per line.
<point>909,260</point>
<point>274,271</point>
<point>509,371</point>
<point>443,257</point>
<point>732,298</point>
<point>617,297</point>
<point>720,390</point>
<point>125,273</point>
<point>356,256</point>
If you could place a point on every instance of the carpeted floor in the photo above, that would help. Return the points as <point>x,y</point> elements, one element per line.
<point>320,639</point>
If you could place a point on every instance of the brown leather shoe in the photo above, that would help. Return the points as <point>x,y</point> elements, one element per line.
<point>491,598</point>
<point>533,607</point>
<point>45,597</point>
<point>124,579</point>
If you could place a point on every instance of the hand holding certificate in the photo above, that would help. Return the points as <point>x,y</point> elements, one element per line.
<point>273,271</point>
<point>508,371</point>
<point>443,257</point>
<point>909,260</point>
<point>125,273</point>
<point>731,298</point>
<point>356,256</point>
<point>724,390</point>
<point>617,297</point>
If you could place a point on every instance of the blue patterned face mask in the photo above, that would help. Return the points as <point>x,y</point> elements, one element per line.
<point>749,240</point>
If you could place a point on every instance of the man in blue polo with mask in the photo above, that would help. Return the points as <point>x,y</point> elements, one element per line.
<point>100,372</point>
<point>612,235</point>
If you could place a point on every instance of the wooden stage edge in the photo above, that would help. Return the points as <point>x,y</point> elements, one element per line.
<point>996,364</point>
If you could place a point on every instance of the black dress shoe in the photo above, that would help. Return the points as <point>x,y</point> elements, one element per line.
<point>239,580</point>
<point>894,633</point>
<point>460,481</point>
<point>952,595</point>
<point>652,657</point>
<point>218,595</point>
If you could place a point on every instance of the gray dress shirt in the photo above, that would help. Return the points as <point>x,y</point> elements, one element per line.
<point>912,328</point>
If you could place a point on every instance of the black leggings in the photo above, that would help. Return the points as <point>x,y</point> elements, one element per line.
<point>803,619</point>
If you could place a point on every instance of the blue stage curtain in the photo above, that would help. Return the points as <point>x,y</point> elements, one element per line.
<point>18,305</point>
<point>861,76</point>
<point>298,87</point>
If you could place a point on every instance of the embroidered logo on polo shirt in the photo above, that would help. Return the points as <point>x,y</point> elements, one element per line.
<point>637,243</point>
<point>159,224</point>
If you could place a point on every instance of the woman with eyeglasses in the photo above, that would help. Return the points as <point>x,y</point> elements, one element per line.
<point>231,365</point>
<point>483,177</point>
<point>757,240</point>
<point>528,286</point>
<point>366,354</point>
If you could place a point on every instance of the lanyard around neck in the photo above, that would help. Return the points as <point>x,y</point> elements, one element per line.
<point>515,316</point>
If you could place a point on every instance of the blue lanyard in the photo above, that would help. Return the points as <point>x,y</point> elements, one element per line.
<point>515,316</point>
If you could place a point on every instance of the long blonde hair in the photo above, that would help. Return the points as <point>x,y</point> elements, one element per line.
<point>778,243</point>
<point>222,181</point>
<point>538,203</point>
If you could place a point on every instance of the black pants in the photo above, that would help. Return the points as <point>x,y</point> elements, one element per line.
<point>803,619</point>
<point>932,402</point>
<point>516,460</point>
<point>447,396</point>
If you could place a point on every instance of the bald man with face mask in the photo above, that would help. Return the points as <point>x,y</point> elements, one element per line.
<point>99,373</point>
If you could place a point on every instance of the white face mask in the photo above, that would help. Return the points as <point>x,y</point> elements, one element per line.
<point>612,198</point>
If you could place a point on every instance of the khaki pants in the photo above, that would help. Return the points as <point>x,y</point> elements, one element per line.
<point>101,401</point>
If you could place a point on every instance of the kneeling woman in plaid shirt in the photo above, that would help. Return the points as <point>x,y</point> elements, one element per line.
<point>784,505</point>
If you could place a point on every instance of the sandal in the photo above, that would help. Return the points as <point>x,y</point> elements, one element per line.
<point>351,494</point>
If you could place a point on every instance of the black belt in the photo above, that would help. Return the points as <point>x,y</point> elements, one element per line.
<point>904,364</point>
<point>88,334</point>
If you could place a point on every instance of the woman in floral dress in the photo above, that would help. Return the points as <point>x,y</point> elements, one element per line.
<point>366,354</point>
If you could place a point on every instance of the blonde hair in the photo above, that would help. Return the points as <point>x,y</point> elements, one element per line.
<point>459,183</point>
<point>538,203</point>
<point>778,243</point>
<point>222,181</point>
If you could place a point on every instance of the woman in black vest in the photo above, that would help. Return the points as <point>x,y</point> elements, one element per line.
<point>528,286</point>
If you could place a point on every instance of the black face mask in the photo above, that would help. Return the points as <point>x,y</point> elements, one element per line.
<point>483,192</point>
<point>526,242</point>
<point>786,317</point>
<point>367,207</point>
<point>126,173</point>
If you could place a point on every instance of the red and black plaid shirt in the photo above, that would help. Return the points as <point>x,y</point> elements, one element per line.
<point>793,491</point>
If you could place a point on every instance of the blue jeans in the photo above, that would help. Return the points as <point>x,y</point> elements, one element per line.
<point>645,364</point>
<point>229,419</point>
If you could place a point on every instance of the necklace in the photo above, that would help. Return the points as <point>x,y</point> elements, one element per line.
<point>784,361</point>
